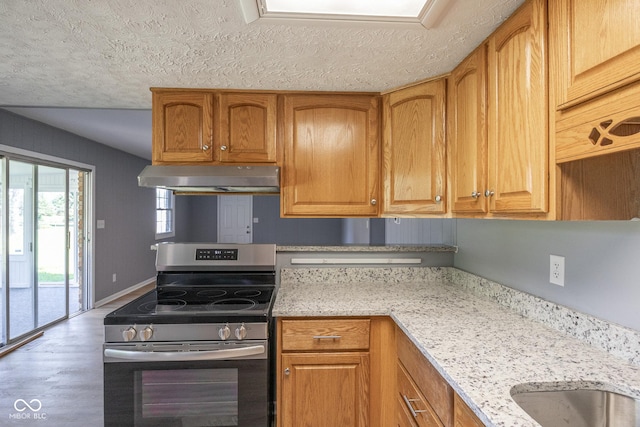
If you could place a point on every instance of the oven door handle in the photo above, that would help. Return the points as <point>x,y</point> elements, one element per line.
<point>184,356</point>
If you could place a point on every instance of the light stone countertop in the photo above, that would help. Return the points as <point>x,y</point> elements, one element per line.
<point>480,347</point>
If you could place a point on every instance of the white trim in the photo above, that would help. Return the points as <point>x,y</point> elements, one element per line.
<point>172,233</point>
<point>429,16</point>
<point>40,156</point>
<point>123,292</point>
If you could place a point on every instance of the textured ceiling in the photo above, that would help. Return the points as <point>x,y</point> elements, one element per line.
<point>105,54</point>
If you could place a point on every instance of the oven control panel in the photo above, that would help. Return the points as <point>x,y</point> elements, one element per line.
<point>216,254</point>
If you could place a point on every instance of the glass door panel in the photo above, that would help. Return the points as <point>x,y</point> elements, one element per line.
<point>3,275</point>
<point>77,242</point>
<point>51,243</point>
<point>45,255</point>
<point>22,292</point>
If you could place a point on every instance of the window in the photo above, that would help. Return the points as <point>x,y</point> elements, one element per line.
<point>425,13</point>
<point>165,222</point>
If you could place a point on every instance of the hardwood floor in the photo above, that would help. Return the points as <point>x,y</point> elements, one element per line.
<point>62,370</point>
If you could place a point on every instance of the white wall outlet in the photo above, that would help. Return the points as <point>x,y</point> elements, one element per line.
<point>556,270</point>
<point>114,278</point>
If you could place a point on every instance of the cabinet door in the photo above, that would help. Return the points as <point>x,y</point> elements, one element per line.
<point>331,155</point>
<point>598,46</point>
<point>518,134</point>
<point>182,127</point>
<point>414,149</point>
<point>325,390</point>
<point>247,128</point>
<point>463,416</point>
<point>467,118</point>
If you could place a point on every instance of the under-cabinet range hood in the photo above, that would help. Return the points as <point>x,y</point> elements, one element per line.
<point>212,179</point>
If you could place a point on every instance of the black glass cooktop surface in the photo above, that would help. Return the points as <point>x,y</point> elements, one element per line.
<point>173,304</point>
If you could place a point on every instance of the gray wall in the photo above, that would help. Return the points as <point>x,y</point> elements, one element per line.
<point>197,216</point>
<point>122,247</point>
<point>602,262</point>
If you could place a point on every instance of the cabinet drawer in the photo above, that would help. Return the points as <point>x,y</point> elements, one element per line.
<point>426,378</point>
<point>412,401</point>
<point>333,334</point>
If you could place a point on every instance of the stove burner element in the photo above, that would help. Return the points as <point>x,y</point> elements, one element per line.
<point>233,304</point>
<point>212,293</point>
<point>247,293</point>
<point>171,293</point>
<point>169,305</point>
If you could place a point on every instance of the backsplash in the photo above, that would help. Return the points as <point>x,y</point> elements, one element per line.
<point>615,339</point>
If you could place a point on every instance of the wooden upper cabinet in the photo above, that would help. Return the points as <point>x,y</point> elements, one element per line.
<point>467,127</point>
<point>182,127</point>
<point>414,150</point>
<point>247,128</point>
<point>598,47</point>
<point>331,155</point>
<point>518,113</point>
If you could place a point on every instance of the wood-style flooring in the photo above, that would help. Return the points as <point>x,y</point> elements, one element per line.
<point>60,372</point>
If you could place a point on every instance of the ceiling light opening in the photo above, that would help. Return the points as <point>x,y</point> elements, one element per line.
<point>425,13</point>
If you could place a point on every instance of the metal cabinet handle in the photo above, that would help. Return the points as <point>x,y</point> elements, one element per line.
<point>413,411</point>
<point>287,371</point>
<point>223,147</point>
<point>327,337</point>
<point>205,147</point>
<point>489,193</point>
<point>373,202</point>
<point>476,194</point>
<point>438,199</point>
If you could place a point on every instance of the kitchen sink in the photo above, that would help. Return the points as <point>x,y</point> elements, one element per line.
<point>578,407</point>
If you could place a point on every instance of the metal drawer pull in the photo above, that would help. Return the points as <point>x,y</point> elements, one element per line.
<point>327,337</point>
<point>414,412</point>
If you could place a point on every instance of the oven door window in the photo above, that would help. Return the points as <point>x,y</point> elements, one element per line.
<point>198,397</point>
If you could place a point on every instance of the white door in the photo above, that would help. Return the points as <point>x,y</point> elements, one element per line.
<point>235,219</point>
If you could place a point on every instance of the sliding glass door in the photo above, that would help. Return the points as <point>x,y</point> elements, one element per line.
<point>44,243</point>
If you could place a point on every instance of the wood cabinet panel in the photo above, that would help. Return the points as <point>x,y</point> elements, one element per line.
<point>467,118</point>
<point>329,334</point>
<point>463,416</point>
<point>598,47</point>
<point>411,400</point>
<point>518,112</point>
<point>325,390</point>
<point>414,149</point>
<point>426,378</point>
<point>182,127</point>
<point>247,128</point>
<point>331,155</point>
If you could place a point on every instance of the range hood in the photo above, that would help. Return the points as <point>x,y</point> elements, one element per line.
<point>212,179</point>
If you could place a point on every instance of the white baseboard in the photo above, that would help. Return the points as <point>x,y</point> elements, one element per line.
<point>123,292</point>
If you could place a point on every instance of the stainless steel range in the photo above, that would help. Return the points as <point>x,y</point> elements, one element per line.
<point>195,351</point>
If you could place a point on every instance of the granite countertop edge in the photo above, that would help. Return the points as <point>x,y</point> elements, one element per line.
<point>463,336</point>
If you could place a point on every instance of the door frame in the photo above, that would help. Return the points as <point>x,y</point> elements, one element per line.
<point>14,153</point>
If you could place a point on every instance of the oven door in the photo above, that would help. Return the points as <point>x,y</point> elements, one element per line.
<point>186,384</point>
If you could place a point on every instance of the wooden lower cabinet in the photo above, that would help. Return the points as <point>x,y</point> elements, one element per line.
<point>421,391</point>
<point>463,416</point>
<point>359,372</point>
<point>335,372</point>
<point>325,389</point>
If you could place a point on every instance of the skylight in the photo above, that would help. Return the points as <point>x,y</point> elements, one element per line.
<point>417,12</point>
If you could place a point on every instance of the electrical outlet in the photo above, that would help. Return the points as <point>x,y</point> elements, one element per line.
<point>556,270</point>
<point>114,278</point>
